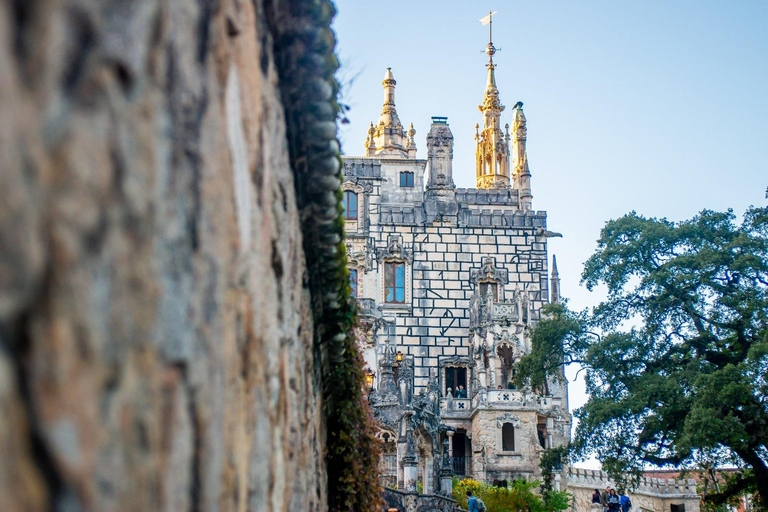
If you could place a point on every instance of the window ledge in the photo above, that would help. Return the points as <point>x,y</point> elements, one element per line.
<point>396,307</point>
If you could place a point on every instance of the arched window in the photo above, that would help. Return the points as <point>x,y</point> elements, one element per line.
<point>353,282</point>
<point>350,205</point>
<point>394,283</point>
<point>507,437</point>
<point>406,179</point>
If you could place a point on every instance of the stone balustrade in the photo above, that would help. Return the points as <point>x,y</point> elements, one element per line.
<point>500,397</point>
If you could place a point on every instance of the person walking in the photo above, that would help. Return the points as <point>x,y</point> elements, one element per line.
<point>472,503</point>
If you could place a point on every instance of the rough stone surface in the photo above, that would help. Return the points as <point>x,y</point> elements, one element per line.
<point>155,324</point>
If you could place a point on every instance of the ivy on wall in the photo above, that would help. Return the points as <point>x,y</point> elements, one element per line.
<point>304,53</point>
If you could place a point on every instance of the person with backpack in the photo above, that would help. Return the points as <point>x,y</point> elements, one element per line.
<point>475,504</point>
<point>625,502</point>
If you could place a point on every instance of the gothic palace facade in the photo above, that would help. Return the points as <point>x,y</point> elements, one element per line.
<point>450,282</point>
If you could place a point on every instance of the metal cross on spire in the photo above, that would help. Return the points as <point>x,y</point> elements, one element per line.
<point>490,49</point>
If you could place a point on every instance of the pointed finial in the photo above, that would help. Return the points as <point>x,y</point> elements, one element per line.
<point>554,284</point>
<point>490,49</point>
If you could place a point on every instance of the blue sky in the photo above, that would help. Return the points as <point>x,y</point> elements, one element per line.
<point>655,106</point>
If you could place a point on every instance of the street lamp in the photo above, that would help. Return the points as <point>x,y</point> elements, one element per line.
<point>369,374</point>
<point>399,356</point>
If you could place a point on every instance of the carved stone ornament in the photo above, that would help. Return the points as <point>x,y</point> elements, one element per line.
<point>455,361</point>
<point>488,271</point>
<point>386,436</point>
<point>359,256</point>
<point>508,418</point>
<point>395,250</point>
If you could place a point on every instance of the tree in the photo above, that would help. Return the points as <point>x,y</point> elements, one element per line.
<point>676,357</point>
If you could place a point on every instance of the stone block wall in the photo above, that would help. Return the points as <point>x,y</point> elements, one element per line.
<point>155,324</point>
<point>490,462</point>
<point>651,494</point>
<point>436,321</point>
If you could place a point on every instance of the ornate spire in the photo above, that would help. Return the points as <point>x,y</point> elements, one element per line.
<point>389,138</point>
<point>492,149</point>
<point>522,175</point>
<point>554,295</point>
<point>388,112</point>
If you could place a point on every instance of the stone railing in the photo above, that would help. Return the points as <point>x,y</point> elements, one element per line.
<point>498,397</point>
<point>455,405</point>
<point>515,397</point>
<point>412,502</point>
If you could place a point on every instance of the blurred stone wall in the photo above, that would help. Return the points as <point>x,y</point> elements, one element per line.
<point>155,330</point>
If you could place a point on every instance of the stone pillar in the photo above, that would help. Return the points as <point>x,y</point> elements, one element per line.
<point>446,471</point>
<point>493,368</point>
<point>428,476</point>
<point>410,473</point>
<point>446,482</point>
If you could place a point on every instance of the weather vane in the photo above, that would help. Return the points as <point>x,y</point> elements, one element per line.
<point>488,20</point>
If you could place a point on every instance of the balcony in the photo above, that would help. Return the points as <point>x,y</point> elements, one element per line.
<point>462,466</point>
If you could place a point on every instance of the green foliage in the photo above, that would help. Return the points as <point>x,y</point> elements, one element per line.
<point>552,461</point>
<point>676,357</point>
<point>518,496</point>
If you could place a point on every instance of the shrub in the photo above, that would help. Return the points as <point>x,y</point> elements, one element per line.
<point>520,495</point>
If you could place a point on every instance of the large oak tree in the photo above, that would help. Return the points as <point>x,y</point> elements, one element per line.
<point>676,357</point>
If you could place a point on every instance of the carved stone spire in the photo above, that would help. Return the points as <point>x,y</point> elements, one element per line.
<point>389,138</point>
<point>554,294</point>
<point>492,148</point>
<point>522,175</point>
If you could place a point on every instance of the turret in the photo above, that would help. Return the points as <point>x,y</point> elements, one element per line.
<point>440,154</point>
<point>441,190</point>
<point>388,137</point>
<point>522,175</point>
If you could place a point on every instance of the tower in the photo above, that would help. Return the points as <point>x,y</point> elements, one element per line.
<point>522,175</point>
<point>388,137</point>
<point>492,145</point>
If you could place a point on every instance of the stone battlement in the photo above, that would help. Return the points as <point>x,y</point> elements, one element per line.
<point>501,218</point>
<point>506,197</point>
<point>401,215</point>
<point>362,167</point>
<point>597,479</point>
